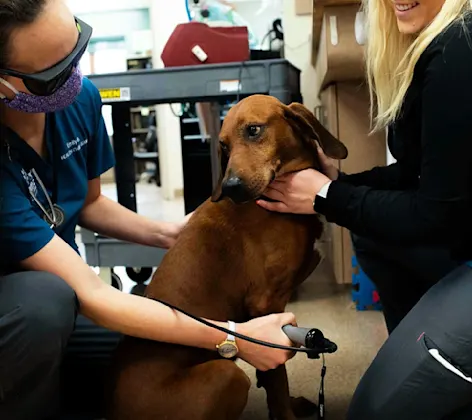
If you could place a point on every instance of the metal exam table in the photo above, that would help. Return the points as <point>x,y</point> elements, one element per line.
<point>213,83</point>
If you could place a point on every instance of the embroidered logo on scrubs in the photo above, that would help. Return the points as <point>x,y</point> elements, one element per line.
<point>30,182</point>
<point>73,146</point>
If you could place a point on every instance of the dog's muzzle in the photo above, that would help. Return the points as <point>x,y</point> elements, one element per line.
<point>235,189</point>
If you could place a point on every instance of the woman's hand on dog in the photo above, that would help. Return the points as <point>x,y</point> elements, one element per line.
<point>294,192</point>
<point>171,231</point>
<point>327,165</point>
<point>269,329</point>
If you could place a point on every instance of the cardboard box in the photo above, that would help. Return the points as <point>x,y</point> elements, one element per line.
<point>345,113</point>
<point>340,55</point>
<point>303,7</point>
<point>318,12</point>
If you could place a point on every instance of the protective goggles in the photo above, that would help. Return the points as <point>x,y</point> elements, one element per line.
<point>46,82</point>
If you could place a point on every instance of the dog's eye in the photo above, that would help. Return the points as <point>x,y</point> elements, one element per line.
<point>254,131</point>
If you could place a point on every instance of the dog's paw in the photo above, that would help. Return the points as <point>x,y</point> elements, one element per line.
<point>302,407</point>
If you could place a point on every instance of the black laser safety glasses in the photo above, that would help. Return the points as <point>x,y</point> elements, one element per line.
<point>46,82</point>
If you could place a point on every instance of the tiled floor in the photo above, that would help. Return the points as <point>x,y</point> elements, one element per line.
<point>359,335</point>
<point>150,202</point>
<point>321,304</point>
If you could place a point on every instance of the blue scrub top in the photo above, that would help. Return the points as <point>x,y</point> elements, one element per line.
<point>83,152</point>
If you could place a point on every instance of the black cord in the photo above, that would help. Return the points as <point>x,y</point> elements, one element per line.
<point>183,108</point>
<point>276,31</point>
<point>321,400</point>
<point>242,337</point>
<point>173,112</point>
<point>268,34</point>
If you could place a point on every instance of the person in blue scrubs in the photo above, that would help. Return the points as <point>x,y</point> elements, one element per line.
<point>53,149</point>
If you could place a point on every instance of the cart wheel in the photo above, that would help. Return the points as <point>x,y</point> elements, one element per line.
<point>116,281</point>
<point>139,275</point>
<point>139,289</point>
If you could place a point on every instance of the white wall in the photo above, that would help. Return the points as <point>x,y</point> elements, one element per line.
<point>94,6</point>
<point>165,15</point>
<point>298,30</point>
<point>260,24</point>
<point>128,19</point>
<point>115,23</point>
<point>126,24</point>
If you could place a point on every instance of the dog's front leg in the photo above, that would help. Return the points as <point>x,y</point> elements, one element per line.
<point>275,383</point>
<point>281,406</point>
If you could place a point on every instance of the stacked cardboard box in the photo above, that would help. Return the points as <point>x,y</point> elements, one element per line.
<point>303,7</point>
<point>345,106</point>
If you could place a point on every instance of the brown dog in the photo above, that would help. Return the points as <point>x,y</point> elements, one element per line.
<point>233,261</point>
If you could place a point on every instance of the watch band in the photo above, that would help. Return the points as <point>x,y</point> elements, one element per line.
<point>228,348</point>
<point>231,327</point>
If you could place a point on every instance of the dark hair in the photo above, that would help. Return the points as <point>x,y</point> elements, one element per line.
<point>13,15</point>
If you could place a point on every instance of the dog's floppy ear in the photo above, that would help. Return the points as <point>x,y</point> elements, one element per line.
<point>308,126</point>
<point>217,191</point>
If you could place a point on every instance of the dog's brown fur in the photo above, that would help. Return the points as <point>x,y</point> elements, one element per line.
<point>233,261</point>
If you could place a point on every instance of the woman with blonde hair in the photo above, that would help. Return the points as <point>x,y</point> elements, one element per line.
<point>411,220</point>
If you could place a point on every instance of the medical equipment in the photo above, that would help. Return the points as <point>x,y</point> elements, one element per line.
<point>54,215</point>
<point>311,340</point>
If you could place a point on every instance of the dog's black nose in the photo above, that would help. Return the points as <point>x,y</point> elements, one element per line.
<point>235,188</point>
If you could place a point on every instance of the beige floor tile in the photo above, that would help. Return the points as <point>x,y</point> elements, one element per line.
<point>150,202</point>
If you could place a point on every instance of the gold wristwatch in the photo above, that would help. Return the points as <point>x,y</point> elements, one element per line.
<point>228,348</point>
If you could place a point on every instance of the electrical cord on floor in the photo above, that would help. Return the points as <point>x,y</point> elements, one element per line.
<point>321,400</point>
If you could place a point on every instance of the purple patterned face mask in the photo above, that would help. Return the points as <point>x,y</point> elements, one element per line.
<point>60,99</point>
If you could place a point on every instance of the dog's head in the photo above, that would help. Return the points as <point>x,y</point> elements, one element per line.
<point>261,138</point>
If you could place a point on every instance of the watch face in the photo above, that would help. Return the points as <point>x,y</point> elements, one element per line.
<point>228,350</point>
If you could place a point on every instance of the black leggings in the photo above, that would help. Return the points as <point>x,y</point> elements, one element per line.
<point>427,299</point>
<point>52,362</point>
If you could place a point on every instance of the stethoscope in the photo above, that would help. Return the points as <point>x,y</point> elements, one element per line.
<point>53,214</point>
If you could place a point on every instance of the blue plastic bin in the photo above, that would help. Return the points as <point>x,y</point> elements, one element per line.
<point>364,292</point>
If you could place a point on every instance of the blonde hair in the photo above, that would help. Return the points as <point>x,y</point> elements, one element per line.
<point>391,56</point>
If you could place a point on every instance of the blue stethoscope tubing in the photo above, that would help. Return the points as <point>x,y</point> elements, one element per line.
<point>187,8</point>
